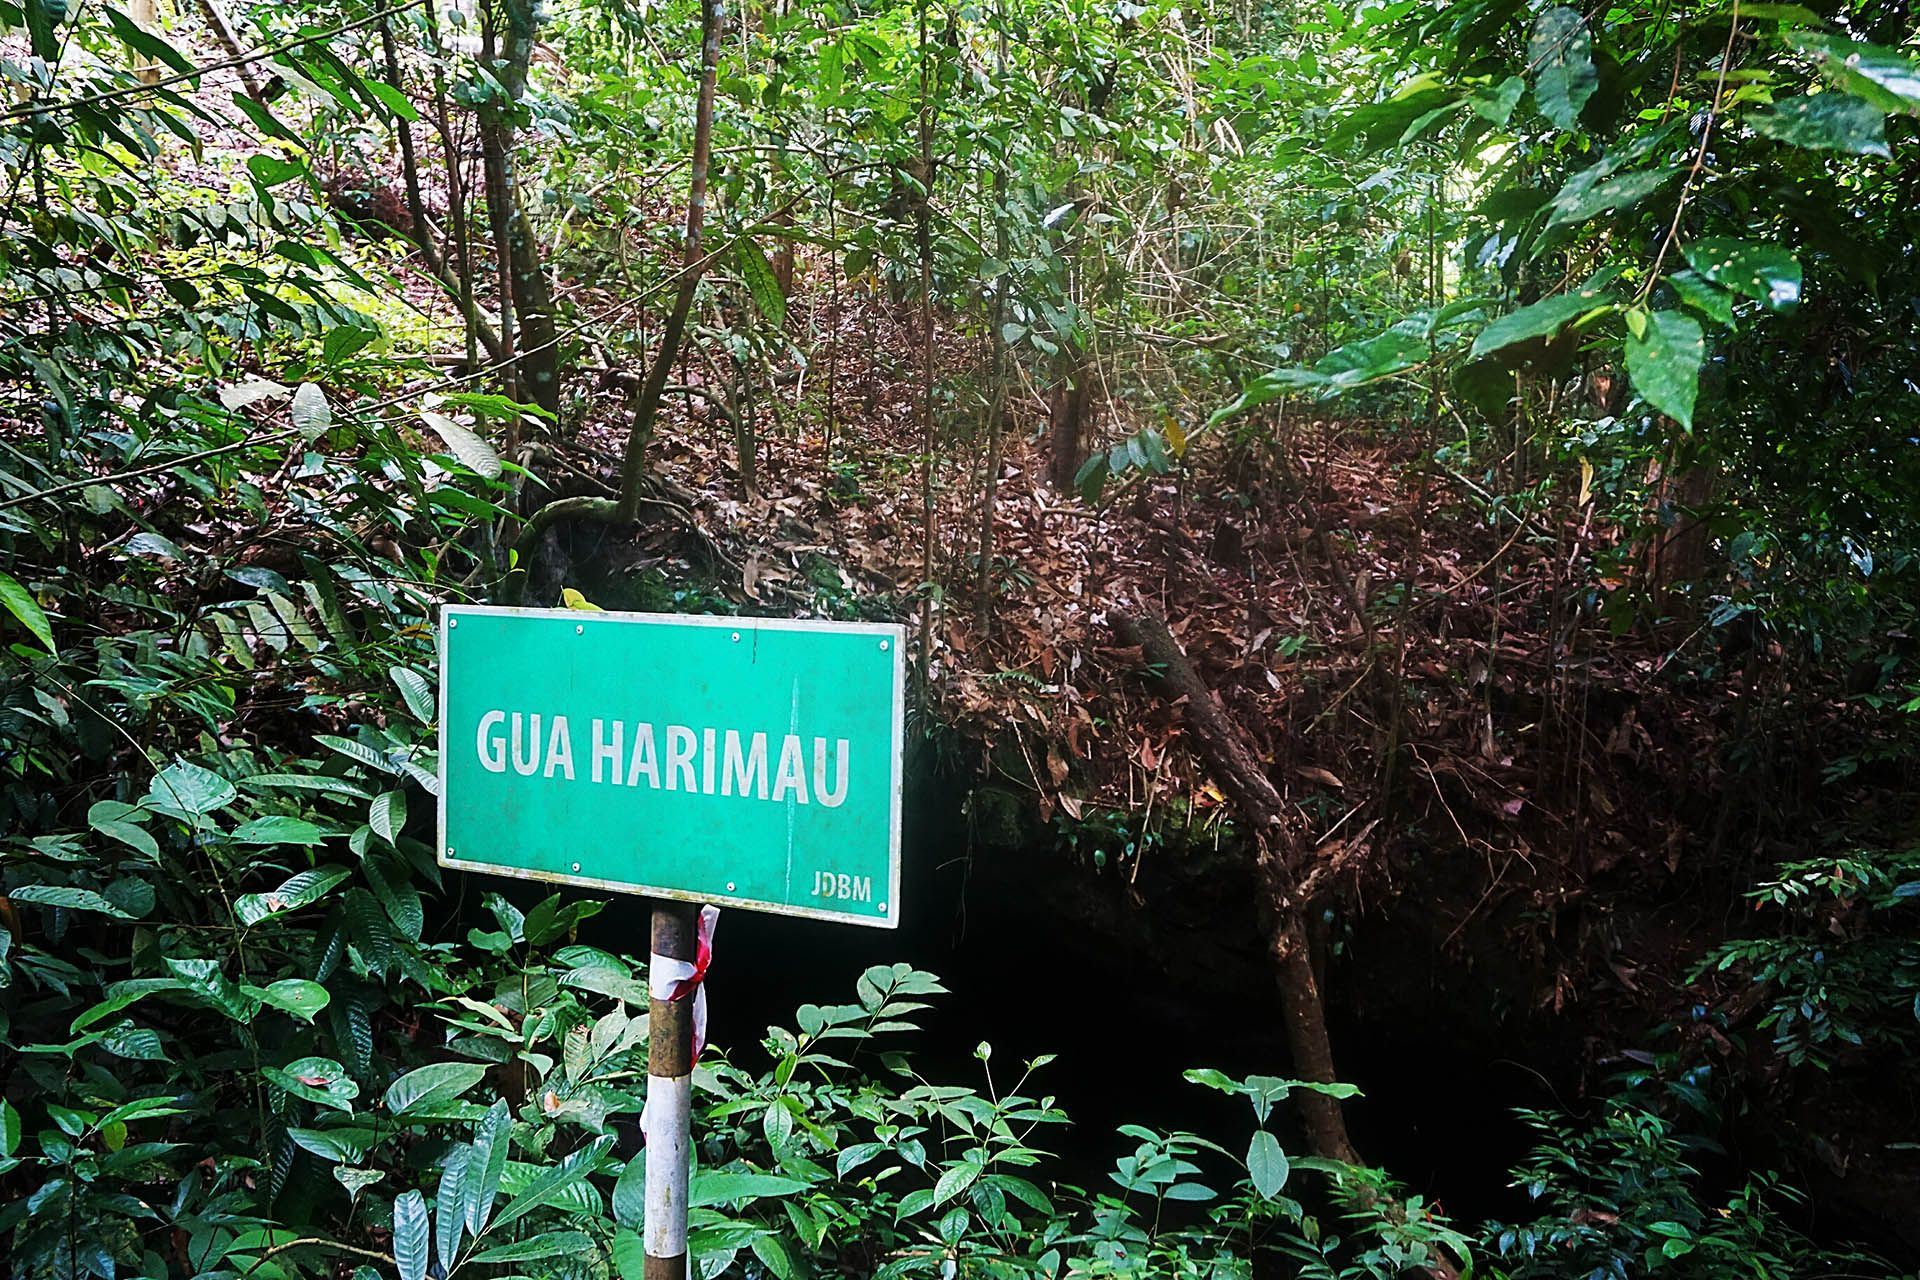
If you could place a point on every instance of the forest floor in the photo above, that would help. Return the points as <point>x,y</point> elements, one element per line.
<point>1397,642</point>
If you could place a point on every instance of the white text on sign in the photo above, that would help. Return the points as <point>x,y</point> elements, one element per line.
<point>701,761</point>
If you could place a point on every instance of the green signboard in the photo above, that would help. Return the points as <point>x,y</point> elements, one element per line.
<point>745,761</point>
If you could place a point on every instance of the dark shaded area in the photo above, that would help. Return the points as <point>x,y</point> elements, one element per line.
<point>1042,955</point>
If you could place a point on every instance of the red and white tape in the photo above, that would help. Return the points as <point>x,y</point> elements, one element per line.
<point>675,980</point>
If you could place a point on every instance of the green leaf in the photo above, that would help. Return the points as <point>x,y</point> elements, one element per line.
<point>473,452</point>
<point>341,1146</point>
<point>1561,53</point>
<point>434,1083</point>
<point>271,171</point>
<point>189,789</point>
<point>9,1128</point>
<point>488,1164</point>
<point>416,692</point>
<point>762,283</point>
<point>1539,320</point>
<point>629,1254</point>
<point>548,1244</point>
<point>392,99</point>
<point>1826,122</point>
<point>276,829</point>
<point>1267,1164</point>
<point>722,1186</point>
<point>630,1193</point>
<point>43,22</point>
<point>552,1181</point>
<point>130,34</point>
<point>311,414</point>
<point>956,1178</point>
<point>119,821</point>
<point>320,1080</point>
<point>67,897</point>
<point>355,1180</point>
<point>1884,77</point>
<point>1496,105</point>
<point>410,1235</point>
<point>773,1253</point>
<point>21,604</point>
<point>387,815</point>
<point>1764,272</point>
<point>1588,193</point>
<point>450,1207</point>
<point>296,891</point>
<point>297,996</point>
<point>1663,362</point>
<point>1695,291</point>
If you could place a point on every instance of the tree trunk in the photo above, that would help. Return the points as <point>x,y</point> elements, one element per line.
<point>1066,412</point>
<point>692,264</point>
<point>1284,906</point>
<point>527,302</point>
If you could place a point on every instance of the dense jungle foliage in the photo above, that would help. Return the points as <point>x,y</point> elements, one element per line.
<point>1448,471</point>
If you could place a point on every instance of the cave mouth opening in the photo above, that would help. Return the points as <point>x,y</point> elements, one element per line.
<point>1041,957</point>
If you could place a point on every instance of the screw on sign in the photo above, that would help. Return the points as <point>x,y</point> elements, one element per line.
<point>751,762</point>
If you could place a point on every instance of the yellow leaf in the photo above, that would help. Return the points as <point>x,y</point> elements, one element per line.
<point>574,600</point>
<point>1586,482</point>
<point>1176,438</point>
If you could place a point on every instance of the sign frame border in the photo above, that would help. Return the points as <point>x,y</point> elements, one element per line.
<point>892,632</point>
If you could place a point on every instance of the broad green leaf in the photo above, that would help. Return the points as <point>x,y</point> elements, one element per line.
<point>1663,361</point>
<point>1826,122</point>
<point>145,42</point>
<point>1764,272</point>
<point>387,815</point>
<point>355,1180</point>
<point>629,1254</point>
<point>548,1244</point>
<point>488,1164</point>
<point>22,605</point>
<point>1560,51</point>
<point>434,1083</point>
<point>1589,193</point>
<point>630,1192</point>
<point>297,996</point>
<point>410,1236</point>
<point>67,897</point>
<point>1884,77</point>
<point>773,1253</point>
<point>341,1146</point>
<point>552,1182</point>
<point>1496,105</point>
<point>271,171</point>
<point>416,692</point>
<point>1267,1164</point>
<point>956,1178</point>
<point>316,1079</point>
<point>1540,320</point>
<point>189,789</point>
<point>761,280</point>
<point>1694,290</point>
<point>450,1206</point>
<point>311,414</point>
<point>296,891</point>
<point>276,829</point>
<point>474,453</point>
<point>729,1187</point>
<point>119,821</point>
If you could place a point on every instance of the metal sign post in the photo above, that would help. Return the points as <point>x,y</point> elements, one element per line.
<point>669,1101</point>
<point>749,761</point>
